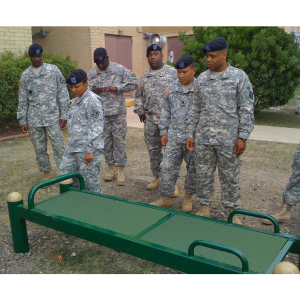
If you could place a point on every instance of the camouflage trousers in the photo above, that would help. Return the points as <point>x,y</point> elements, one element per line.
<point>114,135</point>
<point>174,154</point>
<point>75,163</point>
<point>152,140</point>
<point>298,103</point>
<point>291,193</point>
<point>207,158</point>
<point>38,136</point>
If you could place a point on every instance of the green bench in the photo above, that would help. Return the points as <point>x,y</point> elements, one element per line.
<point>175,239</point>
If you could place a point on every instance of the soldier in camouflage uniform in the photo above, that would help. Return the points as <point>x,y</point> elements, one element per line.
<point>220,121</point>
<point>112,80</point>
<point>147,104</point>
<point>172,125</point>
<point>43,108</point>
<point>298,104</point>
<point>291,195</point>
<point>83,153</point>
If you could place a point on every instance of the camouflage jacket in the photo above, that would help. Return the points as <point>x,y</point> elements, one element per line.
<point>85,124</point>
<point>114,75</point>
<point>222,108</point>
<point>43,97</point>
<point>175,111</point>
<point>150,95</point>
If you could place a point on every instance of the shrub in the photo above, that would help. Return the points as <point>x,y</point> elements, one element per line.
<point>11,68</point>
<point>268,55</point>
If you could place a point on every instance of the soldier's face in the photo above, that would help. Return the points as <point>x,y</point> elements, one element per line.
<point>186,75</point>
<point>79,89</point>
<point>36,60</point>
<point>155,59</point>
<point>102,65</point>
<point>216,61</point>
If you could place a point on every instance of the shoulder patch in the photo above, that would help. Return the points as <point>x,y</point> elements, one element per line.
<point>20,83</point>
<point>95,114</point>
<point>166,92</point>
<point>251,95</point>
<point>63,81</point>
<point>194,89</point>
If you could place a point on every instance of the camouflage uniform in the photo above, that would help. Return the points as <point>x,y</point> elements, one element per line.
<point>173,120</point>
<point>43,101</point>
<point>148,100</point>
<point>85,125</point>
<point>115,126</point>
<point>298,103</point>
<point>291,193</point>
<point>221,112</point>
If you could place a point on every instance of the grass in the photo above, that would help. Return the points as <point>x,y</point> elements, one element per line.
<point>285,117</point>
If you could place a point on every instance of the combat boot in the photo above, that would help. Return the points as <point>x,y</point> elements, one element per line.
<point>154,184</point>
<point>187,204</point>
<point>204,211</point>
<point>283,215</point>
<point>176,192</point>
<point>46,176</point>
<point>164,201</point>
<point>120,175</point>
<point>111,173</point>
<point>235,218</point>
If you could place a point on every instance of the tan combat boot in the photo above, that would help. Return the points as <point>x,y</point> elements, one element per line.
<point>111,173</point>
<point>187,204</point>
<point>46,176</point>
<point>204,211</point>
<point>283,215</point>
<point>164,201</point>
<point>235,218</point>
<point>176,192</point>
<point>120,175</point>
<point>154,184</point>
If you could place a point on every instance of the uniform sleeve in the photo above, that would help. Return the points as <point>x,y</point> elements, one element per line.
<point>139,100</point>
<point>62,95</point>
<point>245,100</point>
<point>165,116</point>
<point>95,125</point>
<point>129,82</point>
<point>194,113</point>
<point>23,103</point>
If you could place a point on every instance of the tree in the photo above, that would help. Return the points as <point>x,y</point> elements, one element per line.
<point>269,56</point>
<point>11,68</point>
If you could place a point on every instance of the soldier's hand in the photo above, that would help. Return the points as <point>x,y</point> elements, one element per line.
<point>164,140</point>
<point>190,144</point>
<point>109,89</point>
<point>143,118</point>
<point>24,128</point>
<point>239,147</point>
<point>97,90</point>
<point>63,123</point>
<point>89,158</point>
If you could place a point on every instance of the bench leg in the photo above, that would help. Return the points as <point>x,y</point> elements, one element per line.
<point>18,225</point>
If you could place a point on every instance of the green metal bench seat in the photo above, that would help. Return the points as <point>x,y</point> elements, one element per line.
<point>182,241</point>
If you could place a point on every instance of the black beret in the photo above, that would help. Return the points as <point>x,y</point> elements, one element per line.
<point>184,61</point>
<point>35,49</point>
<point>216,44</point>
<point>153,47</point>
<point>76,77</point>
<point>99,54</point>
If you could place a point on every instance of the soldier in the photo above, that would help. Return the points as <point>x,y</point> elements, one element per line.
<point>112,80</point>
<point>220,122</point>
<point>43,108</point>
<point>291,193</point>
<point>83,153</point>
<point>147,104</point>
<point>298,104</point>
<point>172,125</point>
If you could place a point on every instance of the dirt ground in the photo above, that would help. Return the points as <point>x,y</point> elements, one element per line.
<point>265,172</point>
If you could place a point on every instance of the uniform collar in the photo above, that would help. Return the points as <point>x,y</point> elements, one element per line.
<point>224,75</point>
<point>180,89</point>
<point>159,72</point>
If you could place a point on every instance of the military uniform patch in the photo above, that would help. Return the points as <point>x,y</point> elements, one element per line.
<point>20,84</point>
<point>251,95</point>
<point>166,93</point>
<point>95,114</point>
<point>62,81</point>
<point>194,89</point>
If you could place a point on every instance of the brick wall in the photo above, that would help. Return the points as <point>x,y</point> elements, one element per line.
<point>16,39</point>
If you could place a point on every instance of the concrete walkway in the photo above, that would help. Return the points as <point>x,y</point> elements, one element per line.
<point>259,133</point>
